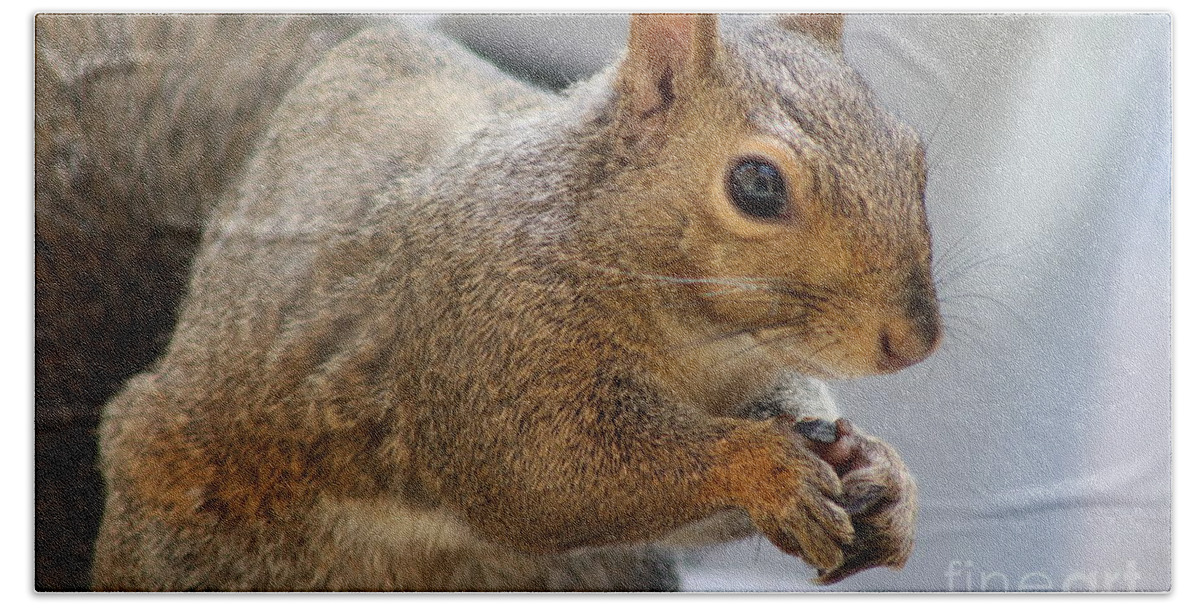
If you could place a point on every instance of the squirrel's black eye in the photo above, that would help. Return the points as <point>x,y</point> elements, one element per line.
<point>757,188</point>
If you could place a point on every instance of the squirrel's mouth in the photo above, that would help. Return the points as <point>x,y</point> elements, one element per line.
<point>853,352</point>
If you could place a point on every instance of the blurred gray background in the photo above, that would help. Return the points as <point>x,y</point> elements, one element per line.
<point>1040,433</point>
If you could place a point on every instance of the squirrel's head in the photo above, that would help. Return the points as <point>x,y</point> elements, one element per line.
<point>770,195</point>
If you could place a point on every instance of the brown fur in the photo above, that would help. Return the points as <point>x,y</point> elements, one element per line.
<point>447,331</point>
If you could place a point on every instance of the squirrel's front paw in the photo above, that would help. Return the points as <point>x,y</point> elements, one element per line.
<point>813,526</point>
<point>878,493</point>
<point>795,499</point>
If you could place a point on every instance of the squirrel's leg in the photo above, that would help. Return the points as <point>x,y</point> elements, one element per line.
<point>792,394</point>
<point>625,467</point>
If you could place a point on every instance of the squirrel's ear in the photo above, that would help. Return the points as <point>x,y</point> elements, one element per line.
<point>826,28</point>
<point>665,51</point>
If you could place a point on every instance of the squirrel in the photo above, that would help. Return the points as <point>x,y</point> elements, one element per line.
<point>449,331</point>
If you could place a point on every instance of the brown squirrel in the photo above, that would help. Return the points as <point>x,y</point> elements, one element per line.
<point>448,331</point>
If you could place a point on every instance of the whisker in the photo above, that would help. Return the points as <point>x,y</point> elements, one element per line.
<point>799,331</point>
<point>986,298</point>
<point>959,247</point>
<point>748,283</point>
<point>729,335</point>
<point>808,294</point>
<point>948,252</point>
<point>792,307</point>
<point>974,325</point>
<point>721,292</point>
<point>834,339</point>
<point>738,353</point>
<point>932,141</point>
<point>946,278</point>
<point>947,272</point>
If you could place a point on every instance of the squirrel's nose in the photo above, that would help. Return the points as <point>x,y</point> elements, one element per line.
<point>915,330</point>
<point>907,342</point>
